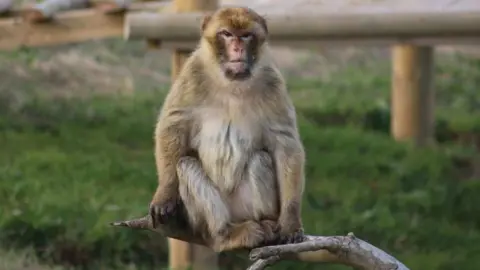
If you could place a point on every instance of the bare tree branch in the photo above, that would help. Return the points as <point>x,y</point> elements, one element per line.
<point>264,263</point>
<point>347,250</point>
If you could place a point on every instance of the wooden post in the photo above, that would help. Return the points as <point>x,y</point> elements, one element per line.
<point>183,255</point>
<point>412,94</point>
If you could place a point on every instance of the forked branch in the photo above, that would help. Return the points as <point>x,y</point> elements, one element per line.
<point>347,250</point>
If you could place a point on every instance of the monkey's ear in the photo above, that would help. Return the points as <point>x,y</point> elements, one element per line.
<point>263,23</point>
<point>206,19</point>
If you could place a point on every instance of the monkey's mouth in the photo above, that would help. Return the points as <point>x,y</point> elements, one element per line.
<point>237,69</point>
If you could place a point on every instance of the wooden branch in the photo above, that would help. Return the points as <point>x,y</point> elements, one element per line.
<point>321,27</point>
<point>5,6</point>
<point>347,250</point>
<point>176,229</point>
<point>47,9</point>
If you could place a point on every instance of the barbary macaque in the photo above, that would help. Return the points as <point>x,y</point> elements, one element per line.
<point>226,141</point>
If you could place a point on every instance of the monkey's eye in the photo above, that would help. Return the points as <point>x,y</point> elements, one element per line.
<point>246,35</point>
<point>225,33</point>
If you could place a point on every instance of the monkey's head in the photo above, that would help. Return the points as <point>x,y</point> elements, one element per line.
<point>235,36</point>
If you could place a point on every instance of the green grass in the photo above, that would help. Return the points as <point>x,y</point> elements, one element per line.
<point>25,260</point>
<point>68,167</point>
<point>360,95</point>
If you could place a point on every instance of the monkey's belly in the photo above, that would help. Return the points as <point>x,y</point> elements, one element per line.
<point>226,153</point>
<point>223,148</point>
<point>224,159</point>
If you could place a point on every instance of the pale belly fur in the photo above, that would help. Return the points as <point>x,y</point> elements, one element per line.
<point>229,145</point>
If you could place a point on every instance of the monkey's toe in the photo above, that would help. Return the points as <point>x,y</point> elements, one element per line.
<point>295,237</point>
<point>270,231</point>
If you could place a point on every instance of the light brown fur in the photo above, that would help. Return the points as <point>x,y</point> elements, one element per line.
<point>230,149</point>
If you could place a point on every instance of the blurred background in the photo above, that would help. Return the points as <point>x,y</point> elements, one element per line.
<point>76,148</point>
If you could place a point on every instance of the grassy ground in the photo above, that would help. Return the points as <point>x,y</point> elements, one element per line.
<point>76,153</point>
<point>23,261</point>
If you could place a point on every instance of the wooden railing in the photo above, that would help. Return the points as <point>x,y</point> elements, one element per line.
<point>54,22</point>
<point>412,36</point>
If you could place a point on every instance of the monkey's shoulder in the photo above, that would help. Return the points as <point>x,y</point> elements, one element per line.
<point>189,87</point>
<point>271,78</point>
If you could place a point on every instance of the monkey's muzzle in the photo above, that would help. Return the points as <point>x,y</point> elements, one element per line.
<point>237,69</point>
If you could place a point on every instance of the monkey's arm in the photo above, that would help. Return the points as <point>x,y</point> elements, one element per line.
<point>171,143</point>
<point>289,157</point>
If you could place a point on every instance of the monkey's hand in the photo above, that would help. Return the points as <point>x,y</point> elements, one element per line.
<point>161,209</point>
<point>290,232</point>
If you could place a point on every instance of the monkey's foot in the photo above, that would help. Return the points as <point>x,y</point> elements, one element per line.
<point>246,235</point>
<point>162,212</point>
<point>270,231</point>
<point>297,236</point>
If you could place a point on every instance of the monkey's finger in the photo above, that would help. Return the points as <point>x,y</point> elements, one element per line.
<point>171,208</point>
<point>151,212</point>
<point>164,210</point>
<point>285,240</point>
<point>158,215</point>
<point>297,237</point>
<point>289,239</point>
<point>167,211</point>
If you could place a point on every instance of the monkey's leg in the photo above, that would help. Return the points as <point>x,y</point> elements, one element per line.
<point>202,201</point>
<point>257,194</point>
<point>264,193</point>
<point>263,186</point>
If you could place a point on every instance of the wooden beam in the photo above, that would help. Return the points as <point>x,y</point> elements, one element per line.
<point>114,5</point>
<point>45,10</point>
<point>67,27</point>
<point>105,6</point>
<point>412,94</point>
<point>292,28</point>
<point>120,6</point>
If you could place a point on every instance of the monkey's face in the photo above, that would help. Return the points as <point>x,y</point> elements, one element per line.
<point>236,36</point>
<point>236,54</point>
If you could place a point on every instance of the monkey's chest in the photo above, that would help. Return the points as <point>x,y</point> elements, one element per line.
<point>225,146</point>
